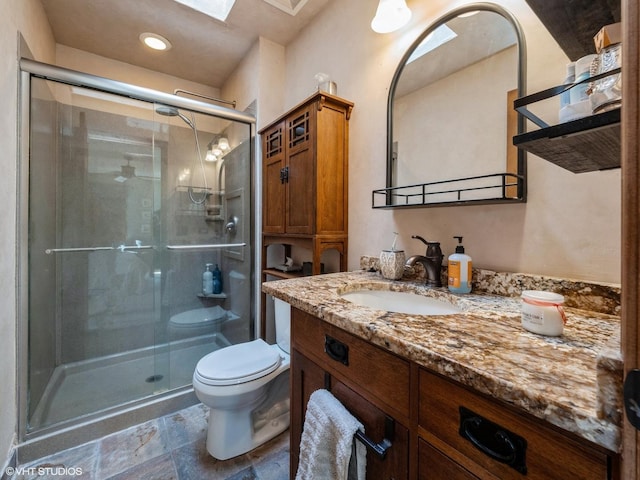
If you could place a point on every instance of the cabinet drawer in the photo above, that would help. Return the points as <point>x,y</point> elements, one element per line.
<point>354,361</point>
<point>548,454</point>
<point>434,465</point>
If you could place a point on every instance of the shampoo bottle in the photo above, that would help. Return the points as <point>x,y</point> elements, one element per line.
<point>459,270</point>
<point>217,280</point>
<point>207,281</point>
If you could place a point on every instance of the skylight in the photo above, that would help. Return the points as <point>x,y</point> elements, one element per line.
<point>218,9</point>
<point>439,36</point>
<point>292,7</point>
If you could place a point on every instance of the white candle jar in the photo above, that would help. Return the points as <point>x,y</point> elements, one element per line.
<point>542,312</point>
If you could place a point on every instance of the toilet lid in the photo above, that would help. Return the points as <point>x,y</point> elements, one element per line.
<point>199,316</point>
<point>238,363</point>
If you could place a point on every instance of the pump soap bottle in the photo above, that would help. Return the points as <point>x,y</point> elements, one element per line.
<point>459,270</point>
<point>207,280</point>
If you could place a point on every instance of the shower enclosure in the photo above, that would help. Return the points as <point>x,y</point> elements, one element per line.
<point>121,209</point>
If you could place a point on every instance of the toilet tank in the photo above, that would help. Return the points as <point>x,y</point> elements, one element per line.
<point>282,314</point>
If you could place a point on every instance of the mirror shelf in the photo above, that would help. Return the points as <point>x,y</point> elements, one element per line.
<point>450,116</point>
<point>479,190</point>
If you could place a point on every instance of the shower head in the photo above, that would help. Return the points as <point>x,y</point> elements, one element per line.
<point>167,111</point>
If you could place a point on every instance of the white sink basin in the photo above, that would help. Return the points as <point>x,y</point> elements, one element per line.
<point>400,302</point>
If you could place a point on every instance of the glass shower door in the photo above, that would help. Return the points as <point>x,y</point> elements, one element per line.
<point>94,184</point>
<point>124,212</point>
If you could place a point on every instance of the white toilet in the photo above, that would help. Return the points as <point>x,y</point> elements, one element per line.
<point>207,321</point>
<point>246,387</point>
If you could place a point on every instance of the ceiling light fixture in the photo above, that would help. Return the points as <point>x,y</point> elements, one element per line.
<point>223,144</point>
<point>215,151</point>
<point>155,41</point>
<point>390,16</point>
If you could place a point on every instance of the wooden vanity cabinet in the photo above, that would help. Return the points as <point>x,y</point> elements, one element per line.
<point>441,429</point>
<point>359,375</point>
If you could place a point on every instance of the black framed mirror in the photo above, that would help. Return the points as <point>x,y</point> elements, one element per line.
<point>450,116</point>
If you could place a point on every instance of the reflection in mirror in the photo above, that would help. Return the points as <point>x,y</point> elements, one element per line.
<point>451,117</point>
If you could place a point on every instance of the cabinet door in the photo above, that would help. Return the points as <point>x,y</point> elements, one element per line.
<point>306,378</point>
<point>395,464</point>
<point>434,465</point>
<point>301,175</point>
<point>274,177</point>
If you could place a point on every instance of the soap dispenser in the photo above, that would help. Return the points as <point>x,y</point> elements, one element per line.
<point>459,270</point>
<point>217,280</point>
<point>207,280</point>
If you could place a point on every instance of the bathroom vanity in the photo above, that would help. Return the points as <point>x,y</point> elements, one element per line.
<point>463,396</point>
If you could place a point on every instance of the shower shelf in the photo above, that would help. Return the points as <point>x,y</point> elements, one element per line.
<point>213,295</point>
<point>186,188</point>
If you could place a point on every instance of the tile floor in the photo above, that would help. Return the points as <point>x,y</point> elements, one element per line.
<point>167,448</point>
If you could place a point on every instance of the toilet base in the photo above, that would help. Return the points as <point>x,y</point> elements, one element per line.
<point>233,433</point>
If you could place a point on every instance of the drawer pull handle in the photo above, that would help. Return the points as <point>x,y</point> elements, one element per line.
<point>336,350</point>
<point>493,440</point>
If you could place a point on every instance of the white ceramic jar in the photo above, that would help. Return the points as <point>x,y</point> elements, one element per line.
<point>542,312</point>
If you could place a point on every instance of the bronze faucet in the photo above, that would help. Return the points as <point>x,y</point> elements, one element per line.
<point>431,261</point>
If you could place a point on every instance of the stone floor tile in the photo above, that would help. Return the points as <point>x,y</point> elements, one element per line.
<point>79,463</point>
<point>133,446</point>
<point>159,468</point>
<point>247,474</point>
<point>193,462</point>
<point>187,426</point>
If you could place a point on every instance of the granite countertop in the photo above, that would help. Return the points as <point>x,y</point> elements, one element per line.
<point>573,381</point>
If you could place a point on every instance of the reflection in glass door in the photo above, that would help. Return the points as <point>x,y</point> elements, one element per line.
<point>124,212</point>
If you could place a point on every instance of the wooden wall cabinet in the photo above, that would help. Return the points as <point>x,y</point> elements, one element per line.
<point>441,430</point>
<point>305,169</point>
<point>305,165</point>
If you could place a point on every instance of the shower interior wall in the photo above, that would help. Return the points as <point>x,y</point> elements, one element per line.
<point>83,307</point>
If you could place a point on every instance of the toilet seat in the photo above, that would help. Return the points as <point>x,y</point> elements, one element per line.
<point>239,363</point>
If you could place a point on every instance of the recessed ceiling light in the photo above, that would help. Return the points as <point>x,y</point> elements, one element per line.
<point>155,41</point>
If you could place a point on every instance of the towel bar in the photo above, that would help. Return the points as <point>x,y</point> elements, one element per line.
<point>380,449</point>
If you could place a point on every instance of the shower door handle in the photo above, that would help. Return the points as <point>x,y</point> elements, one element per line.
<point>206,247</point>
<point>49,251</point>
<point>126,248</point>
<point>122,248</point>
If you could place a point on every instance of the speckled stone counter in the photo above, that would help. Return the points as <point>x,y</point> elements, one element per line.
<point>572,381</point>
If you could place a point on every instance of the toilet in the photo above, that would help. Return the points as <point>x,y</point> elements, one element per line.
<point>246,387</point>
<point>198,322</point>
<point>206,321</point>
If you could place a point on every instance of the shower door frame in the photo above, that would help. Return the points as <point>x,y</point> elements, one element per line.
<point>28,69</point>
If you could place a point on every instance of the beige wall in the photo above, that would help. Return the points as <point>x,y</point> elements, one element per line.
<point>570,226</point>
<point>27,17</point>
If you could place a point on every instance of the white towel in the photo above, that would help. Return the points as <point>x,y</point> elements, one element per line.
<point>327,441</point>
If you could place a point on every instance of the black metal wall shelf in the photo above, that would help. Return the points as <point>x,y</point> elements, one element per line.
<point>587,144</point>
<point>479,190</point>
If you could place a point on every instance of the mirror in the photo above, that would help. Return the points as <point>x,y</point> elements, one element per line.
<point>450,114</point>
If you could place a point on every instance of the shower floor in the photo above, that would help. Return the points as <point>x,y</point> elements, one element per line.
<point>92,386</point>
